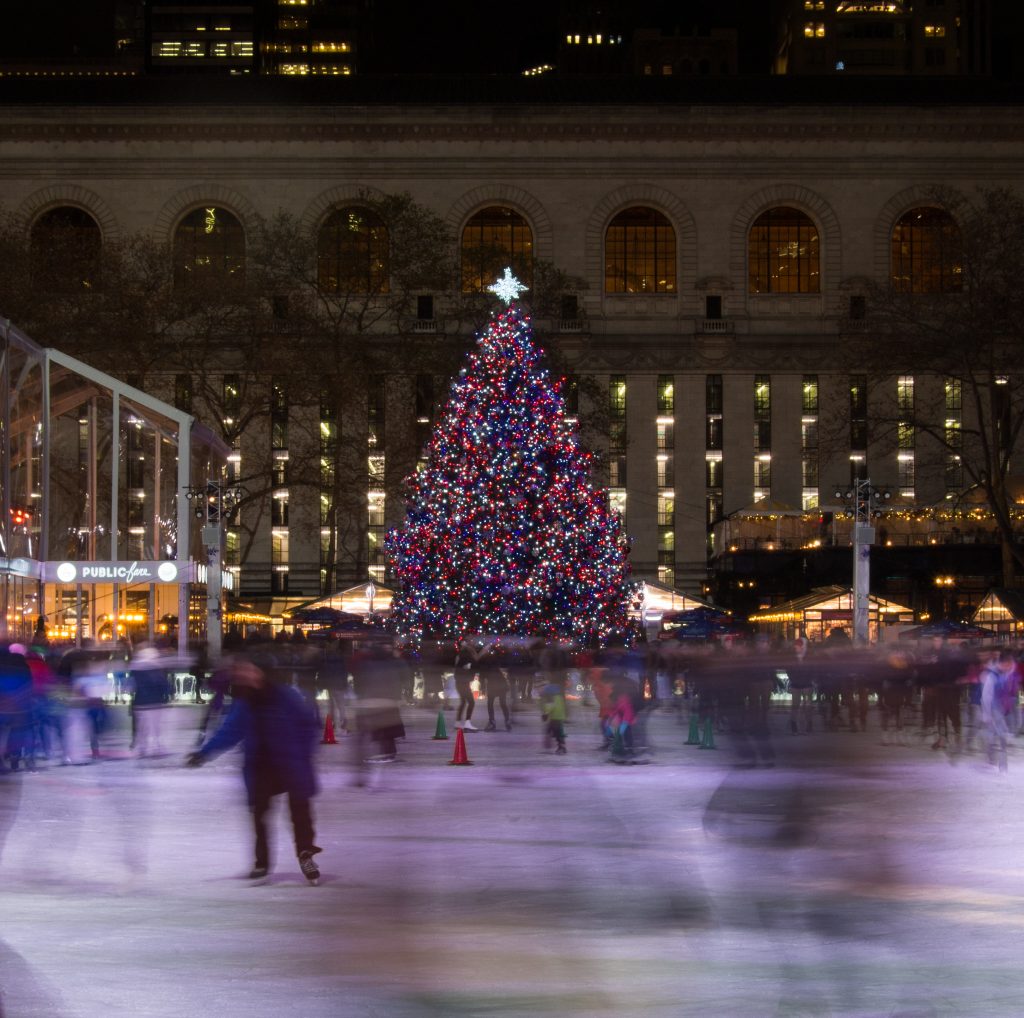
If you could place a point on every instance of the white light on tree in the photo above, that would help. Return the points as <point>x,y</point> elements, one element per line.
<point>508,287</point>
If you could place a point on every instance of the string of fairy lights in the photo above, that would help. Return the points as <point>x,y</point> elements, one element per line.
<point>504,530</point>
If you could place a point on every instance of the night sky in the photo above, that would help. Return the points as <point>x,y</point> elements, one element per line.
<point>412,36</point>
<point>458,37</point>
<point>475,38</point>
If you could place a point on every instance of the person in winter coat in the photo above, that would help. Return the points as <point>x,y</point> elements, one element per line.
<point>491,669</point>
<point>554,714</point>
<point>15,709</point>
<point>151,694</point>
<point>1000,686</point>
<point>278,731</point>
<point>378,677</point>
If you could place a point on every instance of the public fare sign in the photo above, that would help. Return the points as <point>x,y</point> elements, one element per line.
<point>114,572</point>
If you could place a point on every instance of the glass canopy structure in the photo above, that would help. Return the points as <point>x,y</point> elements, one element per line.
<point>96,529</point>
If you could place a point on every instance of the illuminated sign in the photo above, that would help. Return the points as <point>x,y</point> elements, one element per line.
<point>115,572</point>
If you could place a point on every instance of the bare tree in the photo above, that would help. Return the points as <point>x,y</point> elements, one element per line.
<point>344,306</point>
<point>378,289</point>
<point>957,314</point>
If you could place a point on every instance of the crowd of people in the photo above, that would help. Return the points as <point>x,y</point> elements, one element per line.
<point>54,702</point>
<point>279,699</point>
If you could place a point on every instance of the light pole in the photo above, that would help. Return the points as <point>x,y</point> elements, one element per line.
<point>861,496</point>
<point>213,502</point>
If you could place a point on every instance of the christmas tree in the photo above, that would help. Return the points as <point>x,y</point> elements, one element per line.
<point>504,531</point>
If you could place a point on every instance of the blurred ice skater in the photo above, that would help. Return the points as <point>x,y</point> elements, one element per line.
<point>151,694</point>
<point>1000,687</point>
<point>378,676</point>
<point>278,731</point>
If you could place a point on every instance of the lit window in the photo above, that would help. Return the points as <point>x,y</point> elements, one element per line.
<point>935,31</point>
<point>666,509</point>
<point>905,394</point>
<point>762,477</point>
<point>954,396</point>
<point>352,252</point>
<point>926,252</point>
<point>870,7</point>
<point>713,471</point>
<point>809,400</point>
<point>64,247</point>
<point>809,442</point>
<point>783,253</point>
<point>279,548</point>
<point>640,253</point>
<point>194,49</point>
<point>209,250</point>
<point>666,395</point>
<point>495,237</point>
<point>714,505</point>
<point>953,433</point>
<point>814,29</point>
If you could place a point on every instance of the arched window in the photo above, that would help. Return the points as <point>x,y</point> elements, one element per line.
<point>783,253</point>
<point>65,246</point>
<point>209,250</point>
<point>640,253</point>
<point>494,238</point>
<point>926,252</point>
<point>352,253</point>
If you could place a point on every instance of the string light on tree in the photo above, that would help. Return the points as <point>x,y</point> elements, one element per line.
<point>504,531</point>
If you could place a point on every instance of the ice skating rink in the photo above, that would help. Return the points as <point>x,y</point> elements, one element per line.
<point>849,879</point>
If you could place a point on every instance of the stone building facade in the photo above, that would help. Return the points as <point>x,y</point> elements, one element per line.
<point>724,246</point>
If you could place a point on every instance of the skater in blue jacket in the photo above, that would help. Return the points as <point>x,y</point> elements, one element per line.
<point>278,731</point>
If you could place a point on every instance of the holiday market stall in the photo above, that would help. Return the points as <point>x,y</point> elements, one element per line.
<point>816,614</point>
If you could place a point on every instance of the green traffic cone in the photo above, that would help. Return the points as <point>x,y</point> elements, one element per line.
<point>440,732</point>
<point>693,739</point>
<point>709,736</point>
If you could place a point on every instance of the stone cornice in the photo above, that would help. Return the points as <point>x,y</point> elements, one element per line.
<point>276,124</point>
<point>683,353</point>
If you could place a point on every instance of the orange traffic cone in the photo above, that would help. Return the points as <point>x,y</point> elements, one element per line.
<point>459,757</point>
<point>329,739</point>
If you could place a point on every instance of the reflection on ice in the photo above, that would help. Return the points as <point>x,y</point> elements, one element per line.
<point>839,844</point>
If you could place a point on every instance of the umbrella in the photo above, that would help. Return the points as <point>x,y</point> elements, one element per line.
<point>701,614</point>
<point>947,628</point>
<point>322,616</point>
<point>351,624</point>
<point>699,624</point>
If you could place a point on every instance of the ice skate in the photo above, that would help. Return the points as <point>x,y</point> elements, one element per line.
<point>308,865</point>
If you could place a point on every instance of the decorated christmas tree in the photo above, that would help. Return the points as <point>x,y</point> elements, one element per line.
<point>504,531</point>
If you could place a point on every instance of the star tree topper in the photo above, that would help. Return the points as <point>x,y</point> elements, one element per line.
<point>508,287</point>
